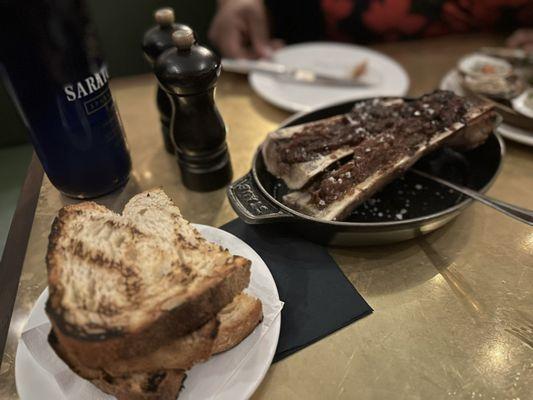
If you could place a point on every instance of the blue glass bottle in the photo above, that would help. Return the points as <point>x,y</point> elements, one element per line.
<point>54,71</point>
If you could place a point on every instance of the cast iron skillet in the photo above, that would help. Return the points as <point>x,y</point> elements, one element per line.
<point>408,207</point>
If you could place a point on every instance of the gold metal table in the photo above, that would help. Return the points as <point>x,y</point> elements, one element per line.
<point>453,310</point>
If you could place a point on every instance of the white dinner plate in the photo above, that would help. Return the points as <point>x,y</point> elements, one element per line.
<point>253,356</point>
<point>451,82</point>
<point>338,59</point>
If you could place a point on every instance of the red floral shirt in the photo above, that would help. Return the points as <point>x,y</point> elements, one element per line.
<point>362,20</point>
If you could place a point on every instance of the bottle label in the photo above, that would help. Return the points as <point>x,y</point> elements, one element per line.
<point>87,110</point>
<point>89,85</point>
<point>97,103</point>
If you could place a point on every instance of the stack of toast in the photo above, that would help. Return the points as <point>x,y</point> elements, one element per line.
<point>135,300</point>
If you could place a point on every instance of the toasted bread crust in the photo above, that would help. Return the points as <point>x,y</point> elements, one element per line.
<point>150,385</point>
<point>181,353</point>
<point>237,320</point>
<point>178,322</point>
<point>156,376</point>
<point>159,385</point>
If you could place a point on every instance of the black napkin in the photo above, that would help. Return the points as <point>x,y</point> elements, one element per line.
<point>318,298</point>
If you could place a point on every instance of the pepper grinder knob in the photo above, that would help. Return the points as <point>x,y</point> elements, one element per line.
<point>183,39</point>
<point>164,16</point>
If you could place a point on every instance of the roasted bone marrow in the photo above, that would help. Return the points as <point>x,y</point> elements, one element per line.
<point>334,164</point>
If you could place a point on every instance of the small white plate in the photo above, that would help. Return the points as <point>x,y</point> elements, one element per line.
<point>35,383</point>
<point>451,81</point>
<point>338,59</point>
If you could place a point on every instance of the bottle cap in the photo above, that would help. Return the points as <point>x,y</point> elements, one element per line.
<point>183,38</point>
<point>164,16</point>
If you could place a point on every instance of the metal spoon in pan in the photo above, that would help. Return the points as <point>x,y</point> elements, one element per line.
<point>519,213</point>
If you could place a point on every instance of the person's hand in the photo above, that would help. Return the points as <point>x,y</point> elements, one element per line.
<point>522,38</point>
<point>240,30</point>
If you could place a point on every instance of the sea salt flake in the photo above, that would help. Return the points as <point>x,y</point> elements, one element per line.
<point>418,186</point>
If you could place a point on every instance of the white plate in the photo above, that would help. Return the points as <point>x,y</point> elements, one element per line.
<point>519,103</point>
<point>335,59</point>
<point>451,82</point>
<point>35,383</point>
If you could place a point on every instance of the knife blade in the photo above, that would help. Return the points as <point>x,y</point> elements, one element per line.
<point>302,75</point>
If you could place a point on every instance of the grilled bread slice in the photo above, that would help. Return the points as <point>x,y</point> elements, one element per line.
<point>232,324</point>
<point>181,353</point>
<point>155,375</point>
<point>151,385</point>
<point>237,320</point>
<point>122,286</point>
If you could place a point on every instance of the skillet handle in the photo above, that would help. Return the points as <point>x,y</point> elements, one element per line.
<point>251,205</point>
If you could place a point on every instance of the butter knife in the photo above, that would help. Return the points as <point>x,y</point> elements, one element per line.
<point>244,66</point>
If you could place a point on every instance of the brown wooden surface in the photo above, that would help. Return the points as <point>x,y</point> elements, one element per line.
<point>453,310</point>
<point>15,248</point>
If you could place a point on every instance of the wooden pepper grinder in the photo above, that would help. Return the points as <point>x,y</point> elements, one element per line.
<point>188,73</point>
<point>155,41</point>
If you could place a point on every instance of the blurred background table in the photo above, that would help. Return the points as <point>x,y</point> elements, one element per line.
<point>453,310</point>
